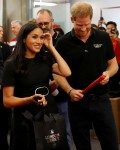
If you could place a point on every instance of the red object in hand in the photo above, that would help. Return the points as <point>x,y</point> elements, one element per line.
<point>94,83</point>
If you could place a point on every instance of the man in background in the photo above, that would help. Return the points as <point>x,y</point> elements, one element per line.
<point>45,20</point>
<point>111,29</point>
<point>4,112</point>
<point>15,27</point>
<point>1,33</point>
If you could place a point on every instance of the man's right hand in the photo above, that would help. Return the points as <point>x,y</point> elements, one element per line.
<point>76,95</point>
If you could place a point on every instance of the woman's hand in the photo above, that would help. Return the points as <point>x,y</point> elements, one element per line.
<point>47,40</point>
<point>39,99</point>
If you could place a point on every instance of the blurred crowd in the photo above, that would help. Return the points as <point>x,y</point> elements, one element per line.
<point>111,28</point>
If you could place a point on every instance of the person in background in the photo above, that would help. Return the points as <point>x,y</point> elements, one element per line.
<point>1,33</point>
<point>4,47</point>
<point>59,31</point>
<point>101,22</point>
<point>94,26</point>
<point>111,29</point>
<point>24,73</point>
<point>45,20</point>
<point>4,113</point>
<point>89,54</point>
<point>102,28</point>
<point>15,27</point>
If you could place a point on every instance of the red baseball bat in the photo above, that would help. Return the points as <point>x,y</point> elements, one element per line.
<point>94,83</point>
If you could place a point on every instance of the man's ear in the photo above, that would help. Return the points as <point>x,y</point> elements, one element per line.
<point>52,22</point>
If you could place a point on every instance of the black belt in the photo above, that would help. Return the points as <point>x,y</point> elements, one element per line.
<point>94,95</point>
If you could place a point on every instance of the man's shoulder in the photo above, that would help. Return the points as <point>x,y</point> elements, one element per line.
<point>4,45</point>
<point>100,36</point>
<point>14,39</point>
<point>13,42</point>
<point>66,36</point>
<point>99,32</point>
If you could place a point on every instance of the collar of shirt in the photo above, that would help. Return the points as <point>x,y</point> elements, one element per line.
<point>92,32</point>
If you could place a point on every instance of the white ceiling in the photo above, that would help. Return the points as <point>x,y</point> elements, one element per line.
<point>54,1</point>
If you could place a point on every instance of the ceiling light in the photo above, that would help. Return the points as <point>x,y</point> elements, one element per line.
<point>44,4</point>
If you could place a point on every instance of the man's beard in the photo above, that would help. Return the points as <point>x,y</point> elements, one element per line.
<point>46,30</point>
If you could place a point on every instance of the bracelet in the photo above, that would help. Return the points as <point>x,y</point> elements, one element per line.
<point>70,91</point>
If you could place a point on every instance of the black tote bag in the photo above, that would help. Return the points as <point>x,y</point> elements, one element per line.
<point>54,132</point>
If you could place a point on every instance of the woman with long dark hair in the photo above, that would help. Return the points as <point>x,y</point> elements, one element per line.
<point>26,72</point>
